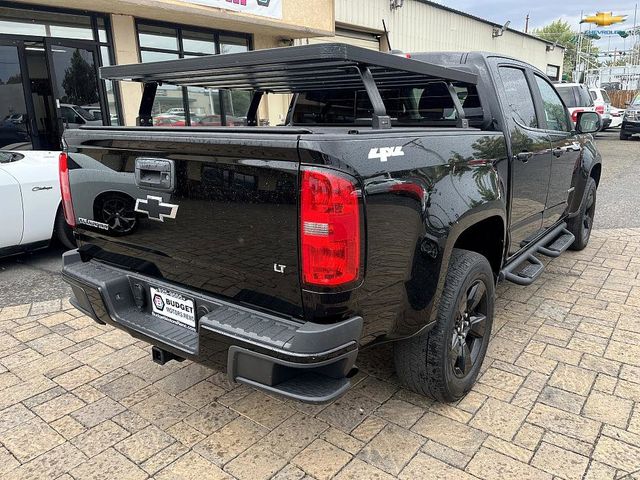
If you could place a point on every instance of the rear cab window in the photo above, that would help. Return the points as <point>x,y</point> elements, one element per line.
<point>423,105</point>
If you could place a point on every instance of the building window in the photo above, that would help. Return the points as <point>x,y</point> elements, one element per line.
<point>553,72</point>
<point>192,106</point>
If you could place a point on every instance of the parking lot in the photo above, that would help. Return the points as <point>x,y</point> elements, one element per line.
<point>559,395</point>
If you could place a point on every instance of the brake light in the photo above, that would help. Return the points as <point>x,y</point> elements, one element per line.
<point>330,228</point>
<point>574,115</point>
<point>65,190</point>
<point>600,109</point>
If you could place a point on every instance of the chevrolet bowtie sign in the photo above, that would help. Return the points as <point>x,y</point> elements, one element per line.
<point>263,8</point>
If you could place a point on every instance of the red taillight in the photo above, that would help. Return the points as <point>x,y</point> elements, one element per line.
<point>329,228</point>
<point>600,109</point>
<point>65,190</point>
<point>574,115</point>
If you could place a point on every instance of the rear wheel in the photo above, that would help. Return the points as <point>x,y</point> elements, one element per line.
<point>582,224</point>
<point>63,232</point>
<point>444,362</point>
<point>117,210</point>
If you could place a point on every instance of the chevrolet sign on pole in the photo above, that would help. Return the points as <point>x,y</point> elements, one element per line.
<point>264,8</point>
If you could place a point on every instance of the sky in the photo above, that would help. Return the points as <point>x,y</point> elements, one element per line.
<point>543,12</point>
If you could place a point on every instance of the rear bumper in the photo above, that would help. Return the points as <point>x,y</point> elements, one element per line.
<point>309,362</point>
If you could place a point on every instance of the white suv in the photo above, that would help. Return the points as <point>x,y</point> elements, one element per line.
<point>576,97</point>
<point>602,103</point>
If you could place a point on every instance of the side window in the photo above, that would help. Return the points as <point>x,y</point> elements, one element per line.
<point>554,110</point>
<point>518,95</point>
<point>585,98</point>
<point>68,115</point>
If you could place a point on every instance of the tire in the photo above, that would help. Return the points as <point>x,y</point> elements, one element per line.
<point>63,232</point>
<point>624,136</point>
<point>582,224</point>
<point>432,363</point>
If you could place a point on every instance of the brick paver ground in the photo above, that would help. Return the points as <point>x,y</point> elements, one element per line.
<point>559,397</point>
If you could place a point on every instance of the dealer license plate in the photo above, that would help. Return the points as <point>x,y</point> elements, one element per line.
<point>173,307</point>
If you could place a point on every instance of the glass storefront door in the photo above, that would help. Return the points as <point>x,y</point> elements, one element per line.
<point>15,121</point>
<point>49,60</point>
<point>73,69</point>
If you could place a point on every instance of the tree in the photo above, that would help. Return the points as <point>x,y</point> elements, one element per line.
<point>560,32</point>
<point>80,82</point>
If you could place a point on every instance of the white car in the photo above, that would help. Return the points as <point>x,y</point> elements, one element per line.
<point>616,117</point>
<point>31,215</point>
<point>75,116</point>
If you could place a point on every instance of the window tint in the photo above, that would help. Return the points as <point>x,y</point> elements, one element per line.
<point>566,93</point>
<point>518,96</point>
<point>605,96</point>
<point>593,94</point>
<point>554,110</point>
<point>405,105</point>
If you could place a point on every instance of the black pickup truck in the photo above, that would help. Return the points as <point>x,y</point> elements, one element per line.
<point>400,190</point>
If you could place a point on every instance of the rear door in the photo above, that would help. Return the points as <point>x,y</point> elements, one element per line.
<point>531,162</point>
<point>566,149</point>
<point>215,212</point>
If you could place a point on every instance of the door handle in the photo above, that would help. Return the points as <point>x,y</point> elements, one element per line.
<point>155,174</point>
<point>558,152</point>
<point>524,156</point>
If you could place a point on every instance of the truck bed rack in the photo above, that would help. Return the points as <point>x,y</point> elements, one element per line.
<point>292,70</point>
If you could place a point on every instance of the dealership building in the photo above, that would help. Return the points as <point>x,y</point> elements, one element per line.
<point>50,56</point>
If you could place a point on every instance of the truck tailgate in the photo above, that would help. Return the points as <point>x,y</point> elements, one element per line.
<point>209,210</point>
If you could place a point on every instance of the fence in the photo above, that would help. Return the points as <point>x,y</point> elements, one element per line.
<point>620,98</point>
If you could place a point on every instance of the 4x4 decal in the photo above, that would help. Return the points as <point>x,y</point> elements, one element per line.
<point>383,153</point>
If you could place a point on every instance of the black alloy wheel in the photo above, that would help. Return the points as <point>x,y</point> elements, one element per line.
<point>469,329</point>
<point>117,212</point>
<point>581,224</point>
<point>589,213</point>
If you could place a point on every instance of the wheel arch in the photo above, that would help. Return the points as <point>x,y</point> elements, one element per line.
<point>596,172</point>
<point>485,237</point>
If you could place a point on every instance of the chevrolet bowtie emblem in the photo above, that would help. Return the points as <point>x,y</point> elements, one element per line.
<point>155,208</point>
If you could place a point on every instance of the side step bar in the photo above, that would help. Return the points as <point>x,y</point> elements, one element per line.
<point>527,267</point>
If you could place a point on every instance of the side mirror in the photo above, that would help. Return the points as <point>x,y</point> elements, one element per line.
<point>79,120</point>
<point>588,122</point>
